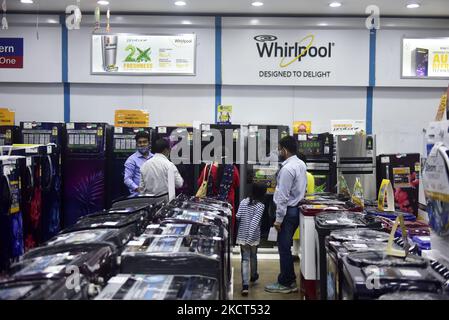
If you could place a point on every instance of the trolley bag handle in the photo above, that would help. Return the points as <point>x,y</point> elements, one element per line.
<point>202,190</point>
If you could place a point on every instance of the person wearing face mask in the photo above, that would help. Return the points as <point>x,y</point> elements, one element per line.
<point>155,172</point>
<point>291,182</point>
<point>135,162</point>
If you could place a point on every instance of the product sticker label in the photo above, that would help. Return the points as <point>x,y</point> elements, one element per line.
<point>28,125</point>
<point>385,159</point>
<point>70,126</point>
<point>118,280</point>
<point>118,130</point>
<point>410,273</point>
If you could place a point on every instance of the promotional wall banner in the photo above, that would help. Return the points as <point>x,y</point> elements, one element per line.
<point>224,114</point>
<point>131,118</point>
<point>345,127</point>
<point>143,54</point>
<point>6,117</point>
<point>295,57</point>
<point>302,127</point>
<point>425,58</point>
<point>11,53</point>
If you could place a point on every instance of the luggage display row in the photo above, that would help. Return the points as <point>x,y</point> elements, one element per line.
<point>157,250</point>
<point>353,262</point>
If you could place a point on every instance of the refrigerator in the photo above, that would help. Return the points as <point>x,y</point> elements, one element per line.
<point>123,146</point>
<point>318,149</point>
<point>51,164</point>
<point>356,158</point>
<point>85,181</point>
<point>263,164</point>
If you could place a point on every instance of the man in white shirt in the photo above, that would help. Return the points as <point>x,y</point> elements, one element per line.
<point>155,172</point>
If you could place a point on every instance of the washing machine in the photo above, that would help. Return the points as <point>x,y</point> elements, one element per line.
<point>113,219</point>
<point>177,255</point>
<point>327,222</point>
<point>309,258</point>
<point>96,261</point>
<point>370,274</point>
<point>43,289</point>
<point>422,296</point>
<point>160,287</point>
<point>117,238</point>
<point>11,221</point>
<point>341,242</point>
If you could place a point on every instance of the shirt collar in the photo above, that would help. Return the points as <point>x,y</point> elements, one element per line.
<point>289,159</point>
<point>160,155</point>
<point>139,155</point>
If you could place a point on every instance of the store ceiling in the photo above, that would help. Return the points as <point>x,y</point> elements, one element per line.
<point>436,8</point>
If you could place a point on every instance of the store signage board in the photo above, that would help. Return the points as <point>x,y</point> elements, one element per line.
<point>11,53</point>
<point>131,118</point>
<point>295,57</point>
<point>425,58</point>
<point>134,54</point>
<point>6,117</point>
<point>302,127</point>
<point>347,127</point>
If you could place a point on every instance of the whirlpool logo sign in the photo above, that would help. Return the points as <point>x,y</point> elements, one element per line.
<point>268,46</point>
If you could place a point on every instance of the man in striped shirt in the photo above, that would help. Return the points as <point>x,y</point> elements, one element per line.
<point>249,218</point>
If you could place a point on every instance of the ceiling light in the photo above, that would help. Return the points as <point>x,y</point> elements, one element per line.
<point>180,3</point>
<point>103,2</point>
<point>335,4</point>
<point>52,21</point>
<point>186,22</point>
<point>257,4</point>
<point>254,21</point>
<point>27,1</point>
<point>323,24</point>
<point>413,5</point>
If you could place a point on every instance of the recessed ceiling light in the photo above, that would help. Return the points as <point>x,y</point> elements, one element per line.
<point>103,2</point>
<point>254,21</point>
<point>257,4</point>
<point>27,1</point>
<point>335,4</point>
<point>413,5</point>
<point>52,21</point>
<point>180,3</point>
<point>186,22</point>
<point>323,24</point>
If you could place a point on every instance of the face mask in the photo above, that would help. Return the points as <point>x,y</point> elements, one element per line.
<point>143,150</point>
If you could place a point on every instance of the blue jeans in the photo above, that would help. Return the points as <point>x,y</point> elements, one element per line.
<point>289,225</point>
<point>249,262</point>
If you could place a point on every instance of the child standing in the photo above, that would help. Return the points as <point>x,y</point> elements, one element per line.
<point>249,218</point>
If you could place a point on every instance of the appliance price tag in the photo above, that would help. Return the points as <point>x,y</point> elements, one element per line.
<point>136,243</point>
<point>118,130</point>
<point>110,223</point>
<point>385,159</point>
<point>49,149</point>
<point>162,130</point>
<point>253,128</point>
<point>205,127</point>
<point>32,150</point>
<point>359,245</point>
<point>28,161</point>
<point>54,269</point>
<point>118,280</point>
<point>70,126</point>
<point>302,137</point>
<point>28,125</point>
<point>410,273</point>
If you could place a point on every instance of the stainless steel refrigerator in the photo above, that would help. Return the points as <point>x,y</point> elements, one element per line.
<point>356,157</point>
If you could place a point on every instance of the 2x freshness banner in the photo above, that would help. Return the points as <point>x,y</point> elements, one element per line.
<point>143,54</point>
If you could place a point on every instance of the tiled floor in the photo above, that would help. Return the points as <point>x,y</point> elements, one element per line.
<point>268,270</point>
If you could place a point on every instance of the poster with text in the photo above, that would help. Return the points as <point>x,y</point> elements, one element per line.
<point>425,58</point>
<point>143,54</point>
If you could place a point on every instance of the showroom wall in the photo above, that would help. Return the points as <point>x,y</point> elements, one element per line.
<point>52,87</point>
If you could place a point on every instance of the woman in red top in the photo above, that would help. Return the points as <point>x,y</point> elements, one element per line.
<point>222,184</point>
